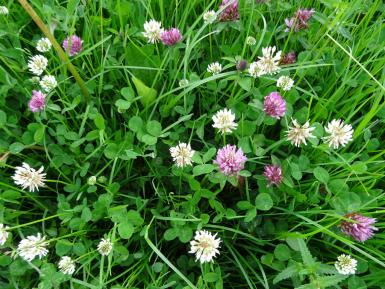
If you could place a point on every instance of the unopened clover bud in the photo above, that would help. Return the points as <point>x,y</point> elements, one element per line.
<point>91,180</point>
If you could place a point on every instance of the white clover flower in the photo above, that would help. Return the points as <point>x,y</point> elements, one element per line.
<point>214,68</point>
<point>3,234</point>
<point>269,60</point>
<point>285,82</point>
<point>105,247</point>
<point>255,70</point>
<point>91,181</point>
<point>210,17</point>
<point>32,246</point>
<point>183,82</point>
<point>28,177</point>
<point>224,120</point>
<point>48,83</point>
<point>250,40</point>
<point>43,45</point>
<point>204,246</point>
<point>67,265</point>
<point>153,31</point>
<point>298,134</point>
<point>182,154</point>
<point>339,133</point>
<point>4,10</point>
<point>37,64</point>
<point>346,265</point>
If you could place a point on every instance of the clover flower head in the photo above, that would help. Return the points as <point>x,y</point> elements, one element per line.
<point>32,246</point>
<point>289,58</point>
<point>346,265</point>
<point>250,40</point>
<point>205,246</point>
<point>230,160</point>
<point>66,265</point>
<point>298,134</point>
<point>37,64</point>
<point>339,133</point>
<point>183,82</point>
<point>358,227</point>
<point>300,20</point>
<point>269,61</point>
<point>153,31</point>
<point>182,154</point>
<point>4,10</point>
<point>210,17</point>
<point>285,82</point>
<point>171,37</point>
<point>27,177</point>
<point>105,247</point>
<point>256,70</point>
<point>48,83</point>
<point>230,13</point>
<point>274,105</point>
<point>43,45</point>
<point>214,68</point>
<point>73,45</point>
<point>37,101</point>
<point>273,174</point>
<point>3,234</point>
<point>224,121</point>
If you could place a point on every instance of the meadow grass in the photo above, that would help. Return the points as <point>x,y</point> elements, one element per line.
<point>150,208</point>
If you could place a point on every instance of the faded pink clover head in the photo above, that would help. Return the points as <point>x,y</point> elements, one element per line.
<point>73,45</point>
<point>289,58</point>
<point>274,105</point>
<point>171,37</point>
<point>273,174</point>
<point>241,65</point>
<point>37,102</point>
<point>304,14</point>
<point>358,227</point>
<point>230,160</point>
<point>230,13</point>
<point>300,20</point>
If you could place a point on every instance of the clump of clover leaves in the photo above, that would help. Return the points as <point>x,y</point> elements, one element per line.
<point>316,274</point>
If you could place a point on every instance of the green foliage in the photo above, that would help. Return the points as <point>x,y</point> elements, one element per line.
<point>151,209</point>
<point>320,275</point>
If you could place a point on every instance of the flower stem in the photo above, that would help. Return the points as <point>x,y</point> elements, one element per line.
<point>34,222</point>
<point>62,55</point>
